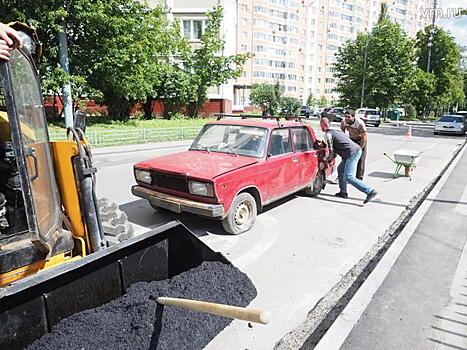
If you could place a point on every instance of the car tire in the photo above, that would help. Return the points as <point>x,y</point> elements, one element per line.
<point>317,186</point>
<point>114,222</point>
<point>435,133</point>
<point>377,124</point>
<point>242,214</point>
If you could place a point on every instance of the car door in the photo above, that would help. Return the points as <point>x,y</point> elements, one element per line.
<point>282,176</point>
<point>307,156</point>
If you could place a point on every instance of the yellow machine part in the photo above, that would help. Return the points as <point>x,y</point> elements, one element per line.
<point>4,127</point>
<point>63,152</point>
<point>9,277</point>
<point>5,133</point>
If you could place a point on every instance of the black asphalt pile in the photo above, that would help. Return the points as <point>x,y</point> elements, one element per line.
<point>136,321</point>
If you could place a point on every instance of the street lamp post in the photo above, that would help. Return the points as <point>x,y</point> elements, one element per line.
<point>364,69</point>
<point>430,38</point>
<point>365,64</point>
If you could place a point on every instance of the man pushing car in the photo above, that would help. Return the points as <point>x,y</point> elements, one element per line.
<point>350,152</point>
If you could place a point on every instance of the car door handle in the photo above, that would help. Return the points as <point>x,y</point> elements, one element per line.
<point>295,159</point>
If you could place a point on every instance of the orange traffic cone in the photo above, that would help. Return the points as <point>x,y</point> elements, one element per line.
<point>409,131</point>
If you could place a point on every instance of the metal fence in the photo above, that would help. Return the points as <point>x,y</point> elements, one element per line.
<point>134,136</point>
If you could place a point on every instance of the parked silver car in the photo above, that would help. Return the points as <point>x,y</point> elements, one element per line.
<point>450,124</point>
<point>369,116</point>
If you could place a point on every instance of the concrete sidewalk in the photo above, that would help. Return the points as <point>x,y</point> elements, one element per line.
<point>415,298</point>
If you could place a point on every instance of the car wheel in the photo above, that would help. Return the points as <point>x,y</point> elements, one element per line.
<point>317,186</point>
<point>307,115</point>
<point>377,124</point>
<point>242,214</point>
<point>435,133</point>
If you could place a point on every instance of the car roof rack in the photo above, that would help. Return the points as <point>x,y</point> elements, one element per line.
<point>265,117</point>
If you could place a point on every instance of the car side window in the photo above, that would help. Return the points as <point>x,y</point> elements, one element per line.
<point>280,142</point>
<point>301,139</point>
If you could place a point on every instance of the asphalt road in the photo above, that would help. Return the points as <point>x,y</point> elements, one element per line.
<point>300,247</point>
<point>421,304</point>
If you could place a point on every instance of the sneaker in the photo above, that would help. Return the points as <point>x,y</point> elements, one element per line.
<point>342,195</point>
<point>370,196</point>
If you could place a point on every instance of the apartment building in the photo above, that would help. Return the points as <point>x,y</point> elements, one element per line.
<point>275,31</point>
<point>294,42</point>
<point>333,22</point>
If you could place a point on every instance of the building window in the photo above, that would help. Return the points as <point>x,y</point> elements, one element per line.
<point>193,29</point>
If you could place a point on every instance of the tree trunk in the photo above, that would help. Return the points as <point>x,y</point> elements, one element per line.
<point>119,108</point>
<point>148,108</point>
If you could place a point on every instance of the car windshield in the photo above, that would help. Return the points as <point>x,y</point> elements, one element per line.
<point>451,118</point>
<point>240,140</point>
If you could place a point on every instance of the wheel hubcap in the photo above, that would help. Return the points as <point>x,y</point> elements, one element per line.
<point>242,214</point>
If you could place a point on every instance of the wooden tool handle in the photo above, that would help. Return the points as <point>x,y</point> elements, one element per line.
<point>237,312</point>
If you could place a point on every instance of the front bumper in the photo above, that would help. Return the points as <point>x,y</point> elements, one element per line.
<point>372,121</point>
<point>178,204</point>
<point>449,130</point>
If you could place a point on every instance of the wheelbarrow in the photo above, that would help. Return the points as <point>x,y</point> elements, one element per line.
<point>405,158</point>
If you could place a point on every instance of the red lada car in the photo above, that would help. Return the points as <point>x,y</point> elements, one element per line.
<point>233,169</point>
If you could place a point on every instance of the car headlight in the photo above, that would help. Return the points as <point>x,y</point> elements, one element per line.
<point>201,188</point>
<point>143,176</point>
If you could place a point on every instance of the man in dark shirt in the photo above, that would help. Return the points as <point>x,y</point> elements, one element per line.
<point>350,152</point>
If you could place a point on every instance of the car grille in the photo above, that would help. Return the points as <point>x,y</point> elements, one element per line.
<point>169,181</point>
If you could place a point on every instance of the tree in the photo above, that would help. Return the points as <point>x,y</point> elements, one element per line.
<point>289,106</point>
<point>310,101</point>
<point>207,64</point>
<point>386,75</point>
<point>322,102</point>
<point>114,46</point>
<point>445,61</point>
<point>420,93</point>
<point>267,97</point>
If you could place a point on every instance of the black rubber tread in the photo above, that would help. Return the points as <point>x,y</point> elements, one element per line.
<point>114,222</point>
<point>228,223</point>
<point>317,186</point>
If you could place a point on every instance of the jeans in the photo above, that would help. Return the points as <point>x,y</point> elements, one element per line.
<point>346,172</point>
<point>361,161</point>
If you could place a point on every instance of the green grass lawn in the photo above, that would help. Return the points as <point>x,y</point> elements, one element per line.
<point>101,124</point>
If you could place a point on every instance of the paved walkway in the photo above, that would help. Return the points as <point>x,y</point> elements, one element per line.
<point>422,302</point>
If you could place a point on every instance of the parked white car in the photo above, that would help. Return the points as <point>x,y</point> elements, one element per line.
<point>450,124</point>
<point>369,116</point>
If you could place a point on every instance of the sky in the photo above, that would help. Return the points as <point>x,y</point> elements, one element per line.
<point>456,25</point>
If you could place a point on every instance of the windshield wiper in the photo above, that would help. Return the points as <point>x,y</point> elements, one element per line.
<point>230,148</point>
<point>203,148</point>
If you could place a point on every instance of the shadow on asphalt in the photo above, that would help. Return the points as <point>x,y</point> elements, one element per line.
<point>381,174</point>
<point>332,198</point>
<point>140,213</point>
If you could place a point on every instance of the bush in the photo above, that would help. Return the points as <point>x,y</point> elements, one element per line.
<point>289,106</point>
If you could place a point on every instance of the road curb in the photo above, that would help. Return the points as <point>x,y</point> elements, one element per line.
<point>328,308</point>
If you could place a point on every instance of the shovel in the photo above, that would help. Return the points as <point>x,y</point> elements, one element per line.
<point>237,312</point>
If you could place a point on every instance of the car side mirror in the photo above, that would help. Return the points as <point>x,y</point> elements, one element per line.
<point>80,120</point>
